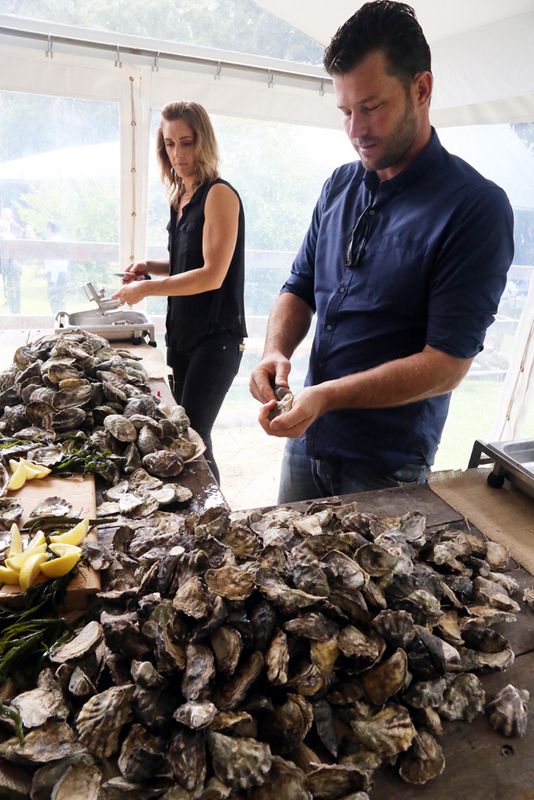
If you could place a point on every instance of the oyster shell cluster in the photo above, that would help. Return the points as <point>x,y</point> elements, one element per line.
<point>270,655</point>
<point>64,384</point>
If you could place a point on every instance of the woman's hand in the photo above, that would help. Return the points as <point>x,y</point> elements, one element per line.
<point>133,292</point>
<point>135,271</point>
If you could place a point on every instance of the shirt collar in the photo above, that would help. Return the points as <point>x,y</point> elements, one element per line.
<point>410,174</point>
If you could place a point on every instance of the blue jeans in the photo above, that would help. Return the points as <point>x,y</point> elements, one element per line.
<point>305,478</point>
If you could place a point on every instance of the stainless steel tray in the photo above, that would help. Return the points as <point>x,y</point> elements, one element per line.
<point>114,325</point>
<point>513,461</point>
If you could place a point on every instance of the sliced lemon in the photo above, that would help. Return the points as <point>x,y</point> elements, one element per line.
<point>16,542</point>
<point>13,464</point>
<point>31,569</point>
<point>62,549</point>
<point>74,536</point>
<point>60,566</point>
<point>8,575</point>
<point>40,471</point>
<point>17,562</point>
<point>18,478</point>
<point>37,540</point>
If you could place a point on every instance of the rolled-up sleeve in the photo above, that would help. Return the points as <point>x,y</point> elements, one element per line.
<point>468,279</point>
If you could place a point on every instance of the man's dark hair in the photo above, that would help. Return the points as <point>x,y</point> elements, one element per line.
<point>386,26</point>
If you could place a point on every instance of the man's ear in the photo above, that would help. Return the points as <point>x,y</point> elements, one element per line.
<point>422,88</point>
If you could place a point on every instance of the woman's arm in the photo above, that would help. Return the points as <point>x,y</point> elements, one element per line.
<point>221,220</point>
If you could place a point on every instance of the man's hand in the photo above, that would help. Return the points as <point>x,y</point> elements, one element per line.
<point>308,405</point>
<point>275,368</point>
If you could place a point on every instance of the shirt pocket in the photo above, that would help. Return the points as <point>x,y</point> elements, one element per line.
<point>393,274</point>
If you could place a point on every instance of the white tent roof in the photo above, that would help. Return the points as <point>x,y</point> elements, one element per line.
<point>439,19</point>
<point>481,50</point>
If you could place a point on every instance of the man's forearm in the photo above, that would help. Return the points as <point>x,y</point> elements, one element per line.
<point>289,322</point>
<point>406,380</point>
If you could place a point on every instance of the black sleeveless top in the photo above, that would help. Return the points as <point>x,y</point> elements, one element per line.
<point>193,317</point>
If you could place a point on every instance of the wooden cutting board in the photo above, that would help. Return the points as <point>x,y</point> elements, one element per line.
<point>80,493</point>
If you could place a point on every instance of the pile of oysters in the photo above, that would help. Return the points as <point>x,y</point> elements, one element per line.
<point>73,384</point>
<point>269,655</point>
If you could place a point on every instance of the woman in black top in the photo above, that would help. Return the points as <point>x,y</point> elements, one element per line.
<point>204,274</point>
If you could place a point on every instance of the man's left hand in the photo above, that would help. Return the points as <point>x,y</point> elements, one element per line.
<point>132,293</point>
<point>308,405</point>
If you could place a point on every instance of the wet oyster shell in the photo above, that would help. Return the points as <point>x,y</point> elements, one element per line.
<point>81,646</point>
<point>423,761</point>
<point>389,732</point>
<point>463,699</point>
<point>187,755</point>
<point>101,719</point>
<point>508,711</point>
<point>287,728</point>
<point>78,781</point>
<point>142,756</point>
<point>196,714</point>
<point>336,781</point>
<point>239,763</point>
<point>52,507</point>
<point>199,670</point>
<point>120,427</point>
<point>50,742</point>
<point>227,645</point>
<point>277,659</point>
<point>386,679</point>
<point>163,464</point>
<point>230,582</point>
<point>10,510</point>
<point>43,704</point>
<point>285,781</point>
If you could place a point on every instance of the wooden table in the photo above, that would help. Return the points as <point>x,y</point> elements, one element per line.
<point>481,764</point>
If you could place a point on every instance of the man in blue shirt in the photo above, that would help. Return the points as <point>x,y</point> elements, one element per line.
<point>404,264</point>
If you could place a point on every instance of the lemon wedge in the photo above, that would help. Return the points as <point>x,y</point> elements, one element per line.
<point>74,536</point>
<point>40,471</point>
<point>18,478</point>
<point>8,575</point>
<point>17,562</point>
<point>16,542</point>
<point>60,566</point>
<point>61,549</point>
<point>31,569</point>
<point>37,540</point>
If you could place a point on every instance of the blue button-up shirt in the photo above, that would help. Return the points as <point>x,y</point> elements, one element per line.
<point>436,243</point>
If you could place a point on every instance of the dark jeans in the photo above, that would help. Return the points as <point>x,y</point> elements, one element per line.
<point>305,478</point>
<point>201,380</point>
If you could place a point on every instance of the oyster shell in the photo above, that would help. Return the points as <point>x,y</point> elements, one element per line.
<point>239,763</point>
<point>101,720</point>
<point>120,427</point>
<point>49,742</point>
<point>52,507</point>
<point>163,463</point>
<point>388,733</point>
<point>463,699</point>
<point>423,761</point>
<point>508,711</point>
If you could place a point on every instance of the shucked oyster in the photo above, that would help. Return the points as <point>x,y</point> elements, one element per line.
<point>52,507</point>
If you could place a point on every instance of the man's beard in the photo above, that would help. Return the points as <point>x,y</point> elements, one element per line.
<point>397,143</point>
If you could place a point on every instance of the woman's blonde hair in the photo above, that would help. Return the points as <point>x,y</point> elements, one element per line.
<point>206,150</point>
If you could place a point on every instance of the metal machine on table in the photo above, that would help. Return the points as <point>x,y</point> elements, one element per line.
<point>512,460</point>
<point>106,321</point>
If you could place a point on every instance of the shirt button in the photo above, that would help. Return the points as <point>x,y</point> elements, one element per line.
<point>371,212</point>
<point>341,288</point>
<point>328,327</point>
<point>320,365</point>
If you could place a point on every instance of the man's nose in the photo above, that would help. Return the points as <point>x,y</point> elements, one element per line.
<point>357,126</point>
